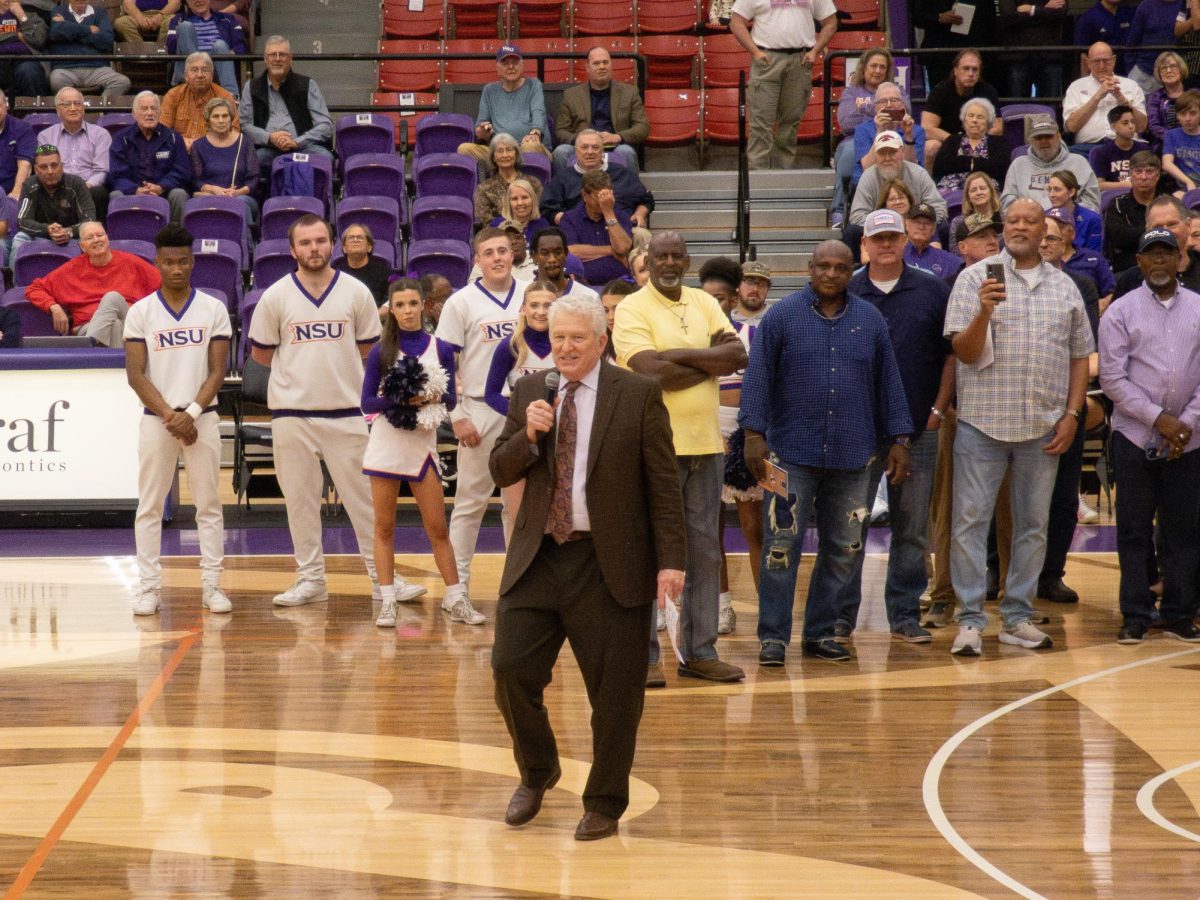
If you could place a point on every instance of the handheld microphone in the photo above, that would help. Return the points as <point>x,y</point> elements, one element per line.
<point>553,380</point>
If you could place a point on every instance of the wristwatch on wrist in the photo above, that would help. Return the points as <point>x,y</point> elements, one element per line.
<point>610,222</point>
<point>1076,414</point>
<point>903,440</point>
<point>937,412</point>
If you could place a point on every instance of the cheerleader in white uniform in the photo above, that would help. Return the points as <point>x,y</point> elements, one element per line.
<point>395,454</point>
<point>525,352</point>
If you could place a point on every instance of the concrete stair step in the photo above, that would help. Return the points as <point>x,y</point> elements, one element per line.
<point>781,218</point>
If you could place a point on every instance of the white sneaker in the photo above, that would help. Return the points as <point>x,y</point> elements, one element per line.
<point>147,602</point>
<point>661,623</point>
<point>406,591</point>
<point>387,615</point>
<point>462,611</point>
<point>303,592</point>
<point>1026,635</point>
<point>214,599</point>
<point>1087,515</point>
<point>968,642</point>
<point>726,621</point>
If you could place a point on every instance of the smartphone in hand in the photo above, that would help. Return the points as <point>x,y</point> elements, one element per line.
<point>995,271</point>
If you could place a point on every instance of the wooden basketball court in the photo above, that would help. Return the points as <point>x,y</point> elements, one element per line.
<point>304,752</point>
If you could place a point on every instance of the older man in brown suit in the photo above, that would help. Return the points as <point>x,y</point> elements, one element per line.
<point>610,107</point>
<point>599,533</point>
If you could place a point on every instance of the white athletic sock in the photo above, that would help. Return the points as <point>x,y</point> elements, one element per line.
<point>726,599</point>
<point>455,592</point>
<point>387,592</point>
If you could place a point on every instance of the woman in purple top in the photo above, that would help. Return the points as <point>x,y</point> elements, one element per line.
<point>395,454</point>
<point>521,205</point>
<point>224,163</point>
<point>526,351</point>
<point>1061,190</point>
<point>1170,71</point>
<point>857,106</point>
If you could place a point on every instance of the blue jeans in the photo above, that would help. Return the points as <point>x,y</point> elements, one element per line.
<point>843,171</point>
<point>563,157</point>
<point>908,512</point>
<point>226,72</point>
<point>979,465</point>
<point>839,496</point>
<point>700,477</point>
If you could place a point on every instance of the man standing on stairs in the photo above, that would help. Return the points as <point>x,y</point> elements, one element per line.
<point>784,48</point>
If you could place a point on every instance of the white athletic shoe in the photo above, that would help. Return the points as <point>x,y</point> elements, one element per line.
<point>387,615</point>
<point>1026,635</point>
<point>214,599</point>
<point>968,642</point>
<point>1086,515</point>
<point>462,611</point>
<point>147,602</point>
<point>303,592</point>
<point>726,621</point>
<point>406,591</point>
<point>661,622</point>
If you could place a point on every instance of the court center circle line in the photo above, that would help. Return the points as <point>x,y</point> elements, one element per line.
<point>930,786</point>
<point>1145,801</point>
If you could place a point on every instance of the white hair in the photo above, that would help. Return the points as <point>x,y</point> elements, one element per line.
<point>983,103</point>
<point>142,94</point>
<point>587,307</point>
<point>198,56</point>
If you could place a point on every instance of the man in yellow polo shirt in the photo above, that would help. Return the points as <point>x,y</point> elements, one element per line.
<point>678,336</point>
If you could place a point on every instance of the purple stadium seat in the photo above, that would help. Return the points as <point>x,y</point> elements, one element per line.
<point>385,253</point>
<point>225,218</point>
<point>272,261</point>
<point>377,175</point>
<point>39,120</point>
<point>144,249</point>
<point>137,217</point>
<point>34,322</point>
<point>442,133</point>
<point>218,268</point>
<point>322,175</point>
<point>953,203</point>
<point>115,121</point>
<point>38,258</point>
<point>449,258</point>
<point>245,316</point>
<point>538,165</point>
<point>1108,196</point>
<point>380,214</point>
<point>442,218</point>
<point>1192,198</point>
<point>364,133</point>
<point>278,214</point>
<point>445,173</point>
<point>1013,116</point>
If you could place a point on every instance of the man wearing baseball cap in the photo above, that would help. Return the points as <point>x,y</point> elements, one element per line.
<point>1029,174</point>
<point>920,225</point>
<point>513,105</point>
<point>913,304</point>
<point>1152,377</point>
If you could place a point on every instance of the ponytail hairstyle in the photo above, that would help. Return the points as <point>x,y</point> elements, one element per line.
<point>389,341</point>
<point>517,343</point>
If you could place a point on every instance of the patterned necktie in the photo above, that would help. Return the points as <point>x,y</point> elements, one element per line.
<point>560,520</point>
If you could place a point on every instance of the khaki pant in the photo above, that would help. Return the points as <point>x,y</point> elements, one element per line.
<point>780,87</point>
<point>128,31</point>
<point>480,152</point>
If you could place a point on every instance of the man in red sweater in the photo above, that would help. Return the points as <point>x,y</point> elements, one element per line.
<point>91,294</point>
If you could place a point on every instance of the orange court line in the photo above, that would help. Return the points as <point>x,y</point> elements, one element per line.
<point>34,864</point>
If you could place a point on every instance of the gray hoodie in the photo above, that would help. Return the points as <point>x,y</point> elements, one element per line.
<point>1028,176</point>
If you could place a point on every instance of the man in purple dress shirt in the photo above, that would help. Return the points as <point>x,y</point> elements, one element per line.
<point>83,146</point>
<point>597,232</point>
<point>1151,372</point>
<point>920,225</point>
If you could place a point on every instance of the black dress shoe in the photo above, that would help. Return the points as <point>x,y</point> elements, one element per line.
<point>655,677</point>
<point>1183,630</point>
<point>827,649</point>
<point>1132,633</point>
<point>526,802</point>
<point>771,654</point>
<point>594,826</point>
<point>1055,591</point>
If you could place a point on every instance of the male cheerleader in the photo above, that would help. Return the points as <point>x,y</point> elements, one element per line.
<point>474,320</point>
<point>314,328</point>
<point>176,352</point>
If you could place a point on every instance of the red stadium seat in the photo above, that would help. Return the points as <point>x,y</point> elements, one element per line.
<point>602,17</point>
<point>674,117</point>
<point>478,19</point>
<point>846,40</point>
<point>623,70</point>
<point>722,59</point>
<point>858,13</point>
<point>667,16</point>
<point>670,59</point>
<point>539,18</point>
<point>390,98</point>
<point>409,74</point>
<point>812,127</point>
<point>721,115</point>
<point>557,71</point>
<point>472,71</point>
<point>399,21</point>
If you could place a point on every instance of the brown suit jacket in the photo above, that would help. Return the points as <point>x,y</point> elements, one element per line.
<point>628,114</point>
<point>633,496</point>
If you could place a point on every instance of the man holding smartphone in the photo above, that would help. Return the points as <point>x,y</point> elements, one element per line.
<point>1021,335</point>
<point>1151,373</point>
